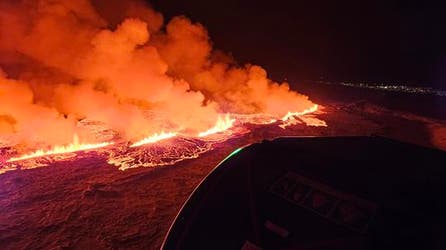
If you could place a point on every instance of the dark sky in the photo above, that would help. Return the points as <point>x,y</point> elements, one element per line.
<point>382,41</point>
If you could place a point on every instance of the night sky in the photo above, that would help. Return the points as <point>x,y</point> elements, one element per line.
<point>374,41</point>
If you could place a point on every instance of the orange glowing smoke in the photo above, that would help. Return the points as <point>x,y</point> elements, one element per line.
<point>118,64</point>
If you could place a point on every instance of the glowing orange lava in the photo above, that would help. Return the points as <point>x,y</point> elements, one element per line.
<point>223,124</point>
<point>291,115</point>
<point>73,147</point>
<point>291,118</point>
<point>154,138</point>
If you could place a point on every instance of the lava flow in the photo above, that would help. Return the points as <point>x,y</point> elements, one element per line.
<point>154,138</point>
<point>73,147</point>
<point>158,89</point>
<point>222,125</point>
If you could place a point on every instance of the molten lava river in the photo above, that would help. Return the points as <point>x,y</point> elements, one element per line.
<point>159,149</point>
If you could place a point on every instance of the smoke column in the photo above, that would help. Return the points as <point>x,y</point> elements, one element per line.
<point>119,64</point>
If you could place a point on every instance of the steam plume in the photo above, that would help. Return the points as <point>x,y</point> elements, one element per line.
<point>116,63</point>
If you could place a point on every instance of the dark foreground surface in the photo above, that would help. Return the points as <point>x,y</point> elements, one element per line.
<point>88,204</point>
<point>319,193</point>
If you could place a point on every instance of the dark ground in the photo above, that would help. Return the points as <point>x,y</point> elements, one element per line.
<point>88,204</point>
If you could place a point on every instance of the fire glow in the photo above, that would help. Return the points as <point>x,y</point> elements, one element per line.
<point>154,138</point>
<point>290,115</point>
<point>223,124</point>
<point>293,118</point>
<point>134,74</point>
<point>71,148</point>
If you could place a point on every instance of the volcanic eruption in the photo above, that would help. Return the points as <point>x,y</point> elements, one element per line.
<point>116,80</point>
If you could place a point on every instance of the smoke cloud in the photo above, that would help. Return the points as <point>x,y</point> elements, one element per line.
<point>119,64</point>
